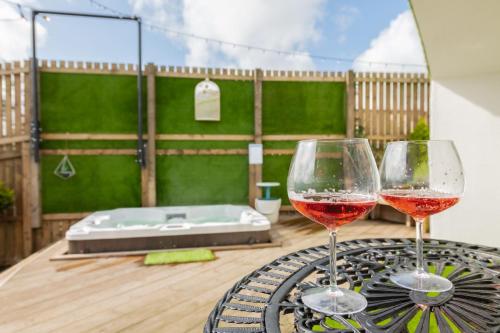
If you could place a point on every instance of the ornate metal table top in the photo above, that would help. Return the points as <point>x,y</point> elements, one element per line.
<point>268,299</point>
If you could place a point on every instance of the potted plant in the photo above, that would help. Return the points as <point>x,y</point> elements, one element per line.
<point>6,197</point>
<point>421,131</point>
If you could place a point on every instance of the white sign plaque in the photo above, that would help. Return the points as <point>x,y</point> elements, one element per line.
<point>255,153</point>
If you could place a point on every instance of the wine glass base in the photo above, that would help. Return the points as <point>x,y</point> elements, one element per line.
<point>334,302</point>
<point>422,281</point>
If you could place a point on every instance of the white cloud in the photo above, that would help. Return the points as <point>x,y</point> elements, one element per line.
<point>164,12</point>
<point>285,25</point>
<point>399,43</point>
<point>343,20</point>
<point>15,40</point>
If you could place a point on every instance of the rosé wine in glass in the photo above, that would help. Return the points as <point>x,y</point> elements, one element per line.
<point>421,178</point>
<point>333,210</point>
<point>419,204</point>
<point>333,182</point>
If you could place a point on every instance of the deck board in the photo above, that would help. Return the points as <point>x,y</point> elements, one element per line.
<point>122,295</point>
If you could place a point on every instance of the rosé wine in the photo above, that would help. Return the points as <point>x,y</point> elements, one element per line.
<point>419,204</point>
<point>333,209</point>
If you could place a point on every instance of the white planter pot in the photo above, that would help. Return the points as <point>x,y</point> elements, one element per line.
<point>269,208</point>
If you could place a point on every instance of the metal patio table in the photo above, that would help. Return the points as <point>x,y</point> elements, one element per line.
<point>268,299</point>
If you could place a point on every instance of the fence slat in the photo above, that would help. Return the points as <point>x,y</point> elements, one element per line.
<point>8,102</point>
<point>27,99</point>
<point>388,130</point>
<point>409,110</point>
<point>421,102</point>
<point>350,104</point>
<point>401,110</point>
<point>1,106</point>
<point>380,110</point>
<point>17,100</point>
<point>415,103</point>
<point>373,109</point>
<point>366,107</point>
<point>18,194</point>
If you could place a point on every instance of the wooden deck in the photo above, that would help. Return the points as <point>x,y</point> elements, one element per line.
<point>122,295</point>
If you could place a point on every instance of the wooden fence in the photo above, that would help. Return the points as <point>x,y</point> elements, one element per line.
<point>379,106</point>
<point>388,105</point>
<point>16,166</point>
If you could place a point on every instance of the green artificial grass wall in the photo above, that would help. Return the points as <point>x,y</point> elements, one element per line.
<point>208,144</point>
<point>88,144</point>
<point>89,103</point>
<point>175,107</point>
<point>303,107</point>
<point>275,169</point>
<point>204,179</point>
<point>101,182</point>
<point>201,180</point>
<point>298,108</point>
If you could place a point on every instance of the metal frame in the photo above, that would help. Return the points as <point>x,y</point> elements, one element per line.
<point>264,300</point>
<point>35,123</point>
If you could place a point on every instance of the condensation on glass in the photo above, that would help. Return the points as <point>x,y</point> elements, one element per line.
<point>207,101</point>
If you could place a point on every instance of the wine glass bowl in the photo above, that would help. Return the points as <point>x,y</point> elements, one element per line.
<point>421,178</point>
<point>333,182</point>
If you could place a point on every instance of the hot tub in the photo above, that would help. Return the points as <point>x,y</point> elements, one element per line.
<point>133,229</point>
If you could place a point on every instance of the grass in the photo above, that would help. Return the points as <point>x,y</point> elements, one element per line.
<point>178,257</point>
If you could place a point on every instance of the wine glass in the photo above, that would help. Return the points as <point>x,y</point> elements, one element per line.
<point>333,182</point>
<point>421,178</point>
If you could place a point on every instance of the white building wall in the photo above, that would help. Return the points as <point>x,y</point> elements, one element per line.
<point>466,109</point>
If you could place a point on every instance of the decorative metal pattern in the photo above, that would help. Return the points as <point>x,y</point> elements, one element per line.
<point>65,169</point>
<point>268,299</point>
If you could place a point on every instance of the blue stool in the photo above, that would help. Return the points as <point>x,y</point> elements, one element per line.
<point>267,186</point>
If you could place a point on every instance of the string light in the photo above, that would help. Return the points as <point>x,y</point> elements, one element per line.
<point>154,27</point>
<point>20,10</point>
<point>338,60</point>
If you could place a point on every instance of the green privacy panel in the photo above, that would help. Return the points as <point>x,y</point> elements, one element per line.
<point>175,107</point>
<point>101,182</point>
<point>303,107</point>
<point>89,103</point>
<point>275,169</point>
<point>202,179</point>
<point>280,144</point>
<point>88,144</point>
<point>206,144</point>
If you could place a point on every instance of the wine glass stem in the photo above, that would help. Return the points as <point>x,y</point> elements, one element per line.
<point>333,260</point>
<point>420,244</point>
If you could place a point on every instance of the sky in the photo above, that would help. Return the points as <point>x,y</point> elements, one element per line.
<point>369,35</point>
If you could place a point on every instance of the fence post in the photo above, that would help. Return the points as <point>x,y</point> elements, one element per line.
<point>27,211</point>
<point>350,95</point>
<point>33,182</point>
<point>148,174</point>
<point>255,170</point>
